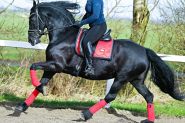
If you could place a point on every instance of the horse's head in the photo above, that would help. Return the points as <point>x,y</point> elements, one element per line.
<point>36,25</point>
<point>54,16</point>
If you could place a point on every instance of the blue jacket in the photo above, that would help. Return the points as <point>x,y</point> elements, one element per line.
<point>94,13</point>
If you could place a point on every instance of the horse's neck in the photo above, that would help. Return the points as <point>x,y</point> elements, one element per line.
<point>56,24</point>
<point>63,36</point>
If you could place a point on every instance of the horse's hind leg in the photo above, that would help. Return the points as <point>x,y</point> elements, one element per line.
<point>118,83</point>
<point>143,90</point>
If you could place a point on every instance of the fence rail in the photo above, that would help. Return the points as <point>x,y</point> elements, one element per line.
<point>26,45</point>
<point>21,44</point>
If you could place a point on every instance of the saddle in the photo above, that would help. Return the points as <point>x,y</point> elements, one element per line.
<point>101,50</point>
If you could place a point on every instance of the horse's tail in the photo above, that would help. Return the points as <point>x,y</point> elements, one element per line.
<point>163,76</point>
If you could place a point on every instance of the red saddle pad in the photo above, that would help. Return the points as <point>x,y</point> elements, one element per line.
<point>103,49</point>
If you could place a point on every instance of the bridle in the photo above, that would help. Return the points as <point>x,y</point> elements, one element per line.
<point>39,32</point>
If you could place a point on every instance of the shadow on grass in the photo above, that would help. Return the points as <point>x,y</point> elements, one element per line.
<point>9,101</point>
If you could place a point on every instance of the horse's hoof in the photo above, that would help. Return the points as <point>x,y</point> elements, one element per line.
<point>21,107</point>
<point>86,115</point>
<point>146,121</point>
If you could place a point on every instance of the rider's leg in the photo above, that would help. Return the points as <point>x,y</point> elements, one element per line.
<point>93,34</point>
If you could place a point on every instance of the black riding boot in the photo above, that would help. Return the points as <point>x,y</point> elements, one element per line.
<point>89,70</point>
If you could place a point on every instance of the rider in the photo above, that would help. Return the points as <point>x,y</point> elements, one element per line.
<point>95,18</point>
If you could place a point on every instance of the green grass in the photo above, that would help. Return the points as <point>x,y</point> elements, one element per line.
<point>171,109</point>
<point>13,26</point>
<point>11,53</point>
<point>7,53</point>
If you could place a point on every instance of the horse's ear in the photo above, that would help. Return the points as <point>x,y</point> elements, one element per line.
<point>34,3</point>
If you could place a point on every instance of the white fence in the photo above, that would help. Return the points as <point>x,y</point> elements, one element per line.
<point>26,45</point>
<point>19,44</point>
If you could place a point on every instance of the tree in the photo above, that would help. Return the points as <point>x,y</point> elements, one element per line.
<point>140,20</point>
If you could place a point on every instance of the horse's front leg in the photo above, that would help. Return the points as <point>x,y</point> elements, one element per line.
<point>39,85</point>
<point>46,66</point>
<point>44,81</point>
<point>50,68</point>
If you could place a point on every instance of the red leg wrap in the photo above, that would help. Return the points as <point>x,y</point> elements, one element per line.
<point>34,79</point>
<point>32,97</point>
<point>97,106</point>
<point>150,111</point>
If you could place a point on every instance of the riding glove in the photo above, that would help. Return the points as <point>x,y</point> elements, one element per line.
<point>77,24</point>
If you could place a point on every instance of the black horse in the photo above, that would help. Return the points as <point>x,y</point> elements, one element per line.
<point>130,62</point>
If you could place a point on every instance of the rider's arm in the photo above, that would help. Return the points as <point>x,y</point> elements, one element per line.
<point>95,14</point>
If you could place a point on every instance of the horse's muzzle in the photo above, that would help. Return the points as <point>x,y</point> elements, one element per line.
<point>33,41</point>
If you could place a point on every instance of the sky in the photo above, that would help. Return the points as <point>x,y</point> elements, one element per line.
<point>123,11</point>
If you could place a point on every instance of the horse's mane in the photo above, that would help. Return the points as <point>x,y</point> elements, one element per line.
<point>63,7</point>
<point>61,4</point>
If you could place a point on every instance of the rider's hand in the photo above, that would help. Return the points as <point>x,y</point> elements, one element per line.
<point>77,24</point>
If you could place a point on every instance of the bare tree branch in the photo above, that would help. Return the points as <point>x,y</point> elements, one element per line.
<point>6,7</point>
<point>156,2</point>
<point>113,8</point>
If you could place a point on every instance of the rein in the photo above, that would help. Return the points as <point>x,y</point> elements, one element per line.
<point>38,18</point>
<point>39,32</point>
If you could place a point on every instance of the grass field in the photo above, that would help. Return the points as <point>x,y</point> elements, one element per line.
<point>13,26</point>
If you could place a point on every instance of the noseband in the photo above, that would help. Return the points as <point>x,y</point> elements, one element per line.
<point>37,31</point>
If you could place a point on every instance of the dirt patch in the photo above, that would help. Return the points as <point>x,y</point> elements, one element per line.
<point>47,115</point>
